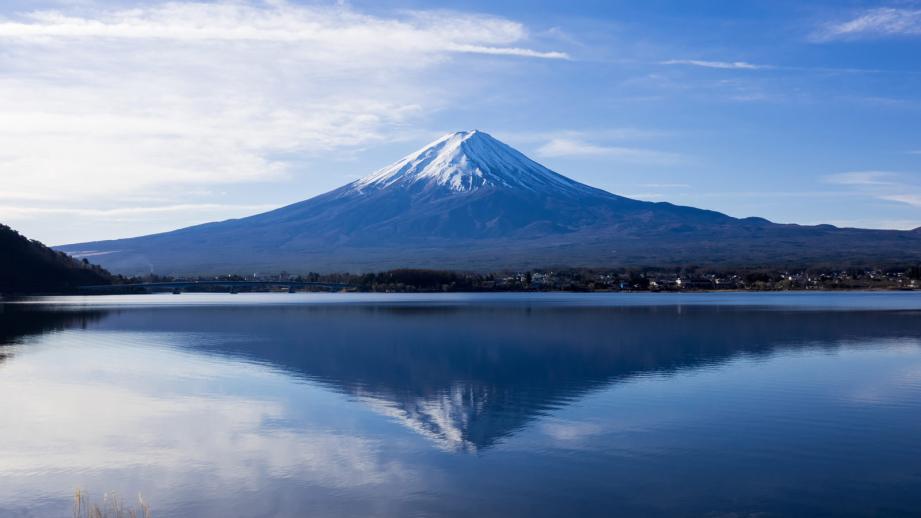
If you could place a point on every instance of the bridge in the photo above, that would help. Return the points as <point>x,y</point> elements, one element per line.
<point>232,286</point>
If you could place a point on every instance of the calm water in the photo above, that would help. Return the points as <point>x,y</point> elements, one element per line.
<point>394,405</point>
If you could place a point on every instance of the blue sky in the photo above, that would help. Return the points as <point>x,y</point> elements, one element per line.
<point>124,118</point>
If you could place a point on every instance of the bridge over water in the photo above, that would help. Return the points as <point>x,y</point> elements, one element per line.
<point>232,286</point>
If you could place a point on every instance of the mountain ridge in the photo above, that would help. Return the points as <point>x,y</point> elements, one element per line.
<point>469,201</point>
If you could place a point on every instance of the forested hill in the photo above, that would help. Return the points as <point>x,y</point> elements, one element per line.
<point>27,266</point>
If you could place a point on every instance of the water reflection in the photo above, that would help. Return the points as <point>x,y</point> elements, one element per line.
<point>17,322</point>
<point>465,377</point>
<point>377,409</point>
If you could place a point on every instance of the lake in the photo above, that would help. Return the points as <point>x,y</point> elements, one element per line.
<point>245,405</point>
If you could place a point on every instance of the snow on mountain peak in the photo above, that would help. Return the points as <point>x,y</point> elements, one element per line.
<point>465,161</point>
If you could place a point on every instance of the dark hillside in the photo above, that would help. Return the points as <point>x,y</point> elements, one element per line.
<point>27,266</point>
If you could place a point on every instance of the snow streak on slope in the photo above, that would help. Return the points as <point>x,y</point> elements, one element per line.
<point>466,161</point>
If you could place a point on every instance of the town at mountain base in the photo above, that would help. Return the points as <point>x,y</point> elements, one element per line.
<point>470,202</point>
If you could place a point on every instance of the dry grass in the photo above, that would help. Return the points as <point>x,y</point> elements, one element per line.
<point>111,507</point>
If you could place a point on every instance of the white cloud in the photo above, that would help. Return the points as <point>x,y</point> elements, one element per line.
<point>878,22</point>
<point>507,51</point>
<point>882,185</point>
<point>15,212</point>
<point>336,31</point>
<point>115,101</point>
<point>560,147</point>
<point>862,178</point>
<point>666,185</point>
<point>910,199</point>
<point>620,134</point>
<point>733,65</point>
<point>70,223</point>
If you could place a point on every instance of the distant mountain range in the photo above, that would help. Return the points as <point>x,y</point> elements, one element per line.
<point>468,201</point>
<point>28,266</point>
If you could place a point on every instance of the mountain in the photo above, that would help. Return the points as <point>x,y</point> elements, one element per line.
<point>28,266</point>
<point>469,201</point>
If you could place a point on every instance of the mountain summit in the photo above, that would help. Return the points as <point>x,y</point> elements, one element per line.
<point>466,161</point>
<point>469,201</point>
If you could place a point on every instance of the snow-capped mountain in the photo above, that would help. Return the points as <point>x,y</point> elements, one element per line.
<point>469,201</point>
<point>466,161</point>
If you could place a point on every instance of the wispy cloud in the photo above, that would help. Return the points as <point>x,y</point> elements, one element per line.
<point>666,185</point>
<point>14,212</point>
<point>70,220</point>
<point>205,93</point>
<point>873,23</point>
<point>729,65</point>
<point>102,103</point>
<point>507,51</point>
<point>618,134</point>
<point>345,30</point>
<point>564,147</point>
<point>862,178</point>
<point>881,185</point>
<point>910,199</point>
<point>610,133</point>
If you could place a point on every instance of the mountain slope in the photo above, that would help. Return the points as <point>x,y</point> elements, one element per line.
<point>470,201</point>
<point>30,267</point>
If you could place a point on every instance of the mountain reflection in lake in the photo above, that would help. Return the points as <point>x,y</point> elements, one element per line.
<point>545,406</point>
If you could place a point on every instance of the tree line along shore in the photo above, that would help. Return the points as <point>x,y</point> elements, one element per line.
<point>578,280</point>
<point>29,267</point>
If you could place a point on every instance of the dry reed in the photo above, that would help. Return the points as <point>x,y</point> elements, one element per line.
<point>111,507</point>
